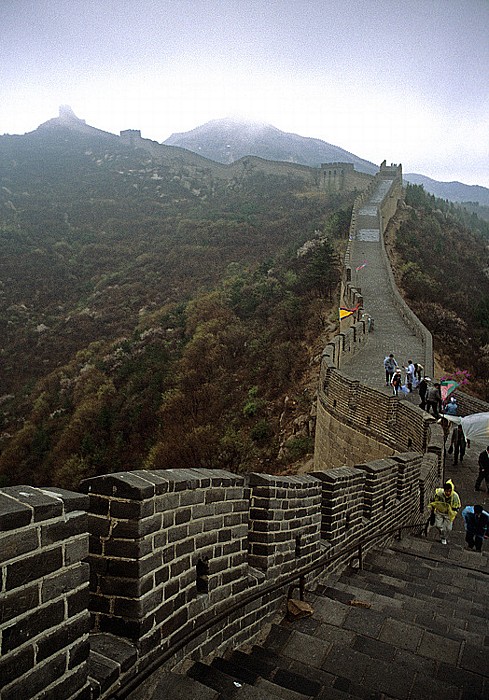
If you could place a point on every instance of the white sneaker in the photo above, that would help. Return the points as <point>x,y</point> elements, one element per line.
<point>443,541</point>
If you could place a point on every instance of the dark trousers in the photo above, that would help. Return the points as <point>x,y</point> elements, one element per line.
<point>474,540</point>
<point>433,405</point>
<point>482,476</point>
<point>459,450</point>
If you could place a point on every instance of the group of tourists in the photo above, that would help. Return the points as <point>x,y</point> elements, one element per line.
<point>446,502</point>
<point>413,376</point>
<point>444,508</point>
<point>429,391</point>
<point>413,373</point>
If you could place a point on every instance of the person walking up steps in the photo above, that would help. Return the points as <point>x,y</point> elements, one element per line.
<point>483,470</point>
<point>390,365</point>
<point>433,399</point>
<point>444,508</point>
<point>410,378</point>
<point>423,389</point>
<point>476,522</point>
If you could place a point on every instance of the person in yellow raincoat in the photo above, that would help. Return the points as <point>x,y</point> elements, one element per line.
<point>444,508</point>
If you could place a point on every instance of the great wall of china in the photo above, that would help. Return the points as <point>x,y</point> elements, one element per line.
<point>145,568</point>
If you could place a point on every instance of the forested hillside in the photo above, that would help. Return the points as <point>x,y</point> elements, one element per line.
<point>440,258</point>
<point>153,314</point>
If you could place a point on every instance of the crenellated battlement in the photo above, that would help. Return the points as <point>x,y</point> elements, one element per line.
<point>179,562</point>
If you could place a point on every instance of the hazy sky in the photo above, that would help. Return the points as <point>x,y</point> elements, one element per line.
<point>401,80</point>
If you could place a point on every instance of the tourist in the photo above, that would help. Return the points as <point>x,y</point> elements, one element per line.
<point>444,508</point>
<point>433,399</point>
<point>396,382</point>
<point>410,378</point>
<point>418,371</point>
<point>390,364</point>
<point>483,470</point>
<point>457,445</point>
<point>476,522</point>
<point>422,389</point>
<point>451,409</point>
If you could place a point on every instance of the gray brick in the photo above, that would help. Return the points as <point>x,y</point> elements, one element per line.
<point>74,524</point>
<point>14,666</point>
<point>13,514</point>
<point>64,581</point>
<point>121,485</point>
<point>12,546</point>
<point>122,651</point>
<point>37,680</point>
<point>44,506</point>
<point>33,567</point>
<point>76,550</point>
<point>62,637</point>
<point>19,601</point>
<point>31,625</point>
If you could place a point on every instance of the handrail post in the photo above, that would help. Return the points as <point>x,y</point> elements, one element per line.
<point>360,556</point>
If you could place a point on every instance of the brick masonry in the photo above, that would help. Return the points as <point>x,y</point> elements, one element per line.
<point>44,620</point>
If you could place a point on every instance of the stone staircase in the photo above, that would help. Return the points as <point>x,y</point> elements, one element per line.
<point>413,623</point>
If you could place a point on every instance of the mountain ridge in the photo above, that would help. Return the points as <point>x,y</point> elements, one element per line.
<point>228,140</point>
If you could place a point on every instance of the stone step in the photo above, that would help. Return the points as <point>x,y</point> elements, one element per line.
<point>165,685</point>
<point>432,577</point>
<point>234,677</point>
<point>411,609</point>
<point>358,666</point>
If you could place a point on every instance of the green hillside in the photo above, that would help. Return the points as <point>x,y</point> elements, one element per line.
<point>152,312</point>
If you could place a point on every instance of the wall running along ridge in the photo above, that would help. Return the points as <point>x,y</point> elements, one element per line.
<point>147,567</point>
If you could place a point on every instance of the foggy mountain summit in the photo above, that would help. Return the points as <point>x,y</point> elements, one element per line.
<point>228,140</point>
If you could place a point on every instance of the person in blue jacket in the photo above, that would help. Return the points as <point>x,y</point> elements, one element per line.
<point>476,522</point>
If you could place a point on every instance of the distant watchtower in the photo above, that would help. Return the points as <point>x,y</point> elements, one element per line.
<point>131,136</point>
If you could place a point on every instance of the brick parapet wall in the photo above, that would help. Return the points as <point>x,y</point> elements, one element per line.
<point>44,620</point>
<point>148,532</point>
<point>151,531</point>
<point>284,526</point>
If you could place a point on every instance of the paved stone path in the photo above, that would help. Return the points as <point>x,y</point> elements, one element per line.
<point>390,332</point>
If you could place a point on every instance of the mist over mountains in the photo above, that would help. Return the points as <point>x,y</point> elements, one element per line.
<point>228,140</point>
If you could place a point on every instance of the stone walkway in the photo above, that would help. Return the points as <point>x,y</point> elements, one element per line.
<point>390,333</point>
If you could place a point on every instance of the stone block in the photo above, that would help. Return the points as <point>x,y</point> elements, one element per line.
<point>73,524</point>
<point>71,499</point>
<point>103,670</point>
<point>37,680</point>
<point>78,601</point>
<point>73,686</point>
<point>44,506</point>
<point>131,510</point>
<point>64,581</point>
<point>13,514</point>
<point>32,624</point>
<point>35,566</point>
<point>120,485</point>
<point>14,666</point>
<point>62,637</point>
<point>19,601</point>
<point>11,545</point>
<point>76,550</point>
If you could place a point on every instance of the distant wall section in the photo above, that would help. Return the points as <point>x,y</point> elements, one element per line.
<point>342,177</point>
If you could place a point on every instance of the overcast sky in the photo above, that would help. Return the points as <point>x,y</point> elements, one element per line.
<point>401,80</point>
